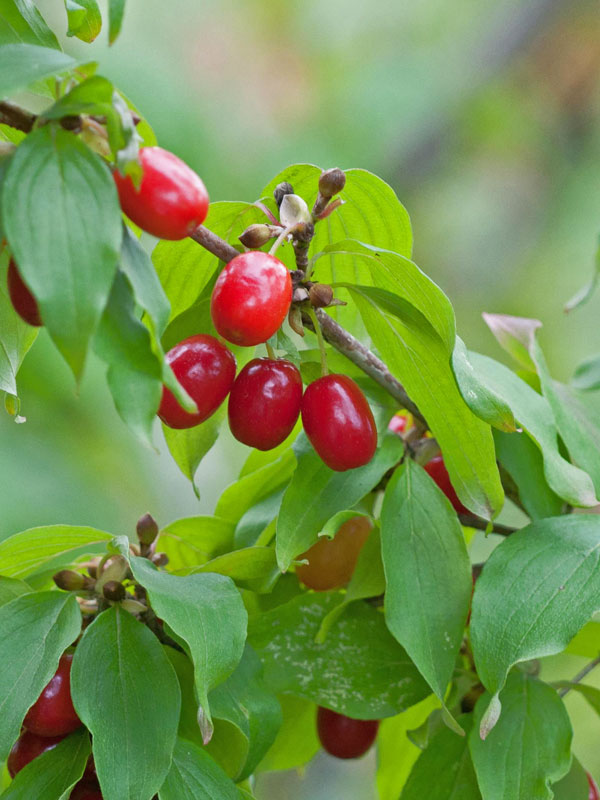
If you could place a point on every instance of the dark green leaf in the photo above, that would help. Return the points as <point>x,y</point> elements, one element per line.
<point>188,720</point>
<point>36,630</point>
<point>91,96</point>
<point>23,64</point>
<point>316,493</point>
<point>195,776</point>
<point>116,10</point>
<point>256,519</point>
<point>297,741</point>
<point>126,692</point>
<point>360,670</point>
<point>444,771</point>
<point>51,775</point>
<point>196,607</point>
<point>532,738</point>
<point>545,579</point>
<point>195,540</point>
<point>138,267</point>
<point>11,588</point>
<point>425,558</point>
<point>574,786</point>
<point>85,20</point>
<point>20,21</point>
<point>56,186</point>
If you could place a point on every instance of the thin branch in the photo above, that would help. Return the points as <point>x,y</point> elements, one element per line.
<point>214,244</point>
<point>471,521</point>
<point>580,675</point>
<point>16,117</point>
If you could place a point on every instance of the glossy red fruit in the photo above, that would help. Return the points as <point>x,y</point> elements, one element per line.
<point>398,423</point>
<point>171,200</point>
<point>27,747</point>
<point>437,470</point>
<point>331,562</point>
<point>206,370</point>
<point>264,403</point>
<point>53,714</point>
<point>339,423</point>
<point>344,737</point>
<point>23,301</point>
<point>86,790</point>
<point>594,793</point>
<point>251,298</point>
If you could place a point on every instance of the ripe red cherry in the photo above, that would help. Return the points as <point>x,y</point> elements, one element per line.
<point>206,370</point>
<point>251,298</point>
<point>594,793</point>
<point>437,470</point>
<point>23,301</point>
<point>27,747</point>
<point>53,714</point>
<point>344,737</point>
<point>331,562</point>
<point>339,423</point>
<point>264,403</point>
<point>86,790</point>
<point>171,200</point>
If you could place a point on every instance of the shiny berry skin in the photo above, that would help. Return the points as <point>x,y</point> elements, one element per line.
<point>24,303</point>
<point>339,423</point>
<point>437,470</point>
<point>251,298</point>
<point>171,201</point>
<point>594,793</point>
<point>344,737</point>
<point>264,402</point>
<point>331,562</point>
<point>53,714</point>
<point>86,790</point>
<point>27,747</point>
<point>398,423</point>
<point>206,370</point>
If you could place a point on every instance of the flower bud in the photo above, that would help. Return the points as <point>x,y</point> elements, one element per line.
<point>258,234</point>
<point>71,581</point>
<point>147,529</point>
<point>113,590</point>
<point>304,231</point>
<point>281,190</point>
<point>331,182</point>
<point>160,559</point>
<point>320,295</point>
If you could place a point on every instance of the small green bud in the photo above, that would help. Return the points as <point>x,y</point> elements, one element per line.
<point>71,581</point>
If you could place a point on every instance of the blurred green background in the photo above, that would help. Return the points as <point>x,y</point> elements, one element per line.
<point>483,115</point>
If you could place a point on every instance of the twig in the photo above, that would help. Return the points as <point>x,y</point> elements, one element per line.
<point>16,117</point>
<point>580,675</point>
<point>471,521</point>
<point>214,244</point>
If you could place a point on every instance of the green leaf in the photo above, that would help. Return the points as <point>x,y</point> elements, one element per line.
<point>23,64</point>
<point>417,356</point>
<point>574,786</point>
<point>91,96</point>
<point>535,416</point>
<point>195,776</point>
<point>193,541</point>
<point>22,553</point>
<point>482,400</point>
<point>591,693</point>
<point>246,564</point>
<point>36,630</point>
<point>245,701</point>
<point>540,615</point>
<point>257,518</point>
<point>297,741</point>
<point>51,775</point>
<point>360,670</point>
<point>116,11</point>
<point>587,374</point>
<point>196,607</point>
<point>188,720</point>
<point>514,334</point>
<point>85,20</point>
<point>533,736</point>
<point>20,21</point>
<point>137,266</point>
<point>396,753</point>
<point>584,294</point>
<point>126,692</point>
<point>523,461</point>
<point>188,447</point>
<point>425,558</point>
<point>316,493</point>
<point>71,261</point>
<point>587,642</point>
<point>16,337</point>
<point>444,771</point>
<point>11,588</point>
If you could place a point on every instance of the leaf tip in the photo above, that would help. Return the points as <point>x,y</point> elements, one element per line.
<point>490,717</point>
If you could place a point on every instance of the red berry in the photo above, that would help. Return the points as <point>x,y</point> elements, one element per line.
<point>437,470</point>
<point>251,298</point>
<point>594,793</point>
<point>27,747</point>
<point>398,423</point>
<point>23,301</point>
<point>53,714</point>
<point>331,562</point>
<point>86,790</point>
<point>171,200</point>
<point>264,403</point>
<point>206,370</point>
<point>344,737</point>
<point>339,423</point>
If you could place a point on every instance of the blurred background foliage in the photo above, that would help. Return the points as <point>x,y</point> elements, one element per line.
<point>484,118</point>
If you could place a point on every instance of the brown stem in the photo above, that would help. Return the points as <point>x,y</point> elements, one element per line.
<point>580,675</point>
<point>471,521</point>
<point>214,244</point>
<point>16,117</point>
